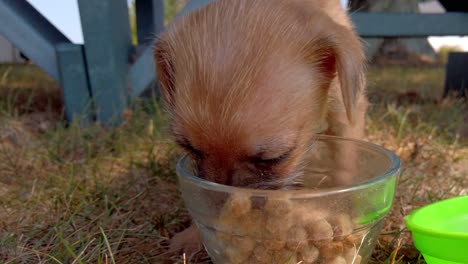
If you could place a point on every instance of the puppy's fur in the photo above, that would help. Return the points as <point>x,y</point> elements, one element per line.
<point>248,83</point>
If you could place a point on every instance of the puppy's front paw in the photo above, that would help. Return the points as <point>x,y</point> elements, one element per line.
<point>345,177</point>
<point>188,241</point>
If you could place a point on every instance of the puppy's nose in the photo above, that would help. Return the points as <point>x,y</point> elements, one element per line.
<point>220,175</point>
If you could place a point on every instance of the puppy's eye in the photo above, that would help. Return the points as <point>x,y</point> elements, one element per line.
<point>185,144</point>
<point>272,161</point>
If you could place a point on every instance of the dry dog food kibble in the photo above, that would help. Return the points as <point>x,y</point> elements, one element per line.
<point>275,233</point>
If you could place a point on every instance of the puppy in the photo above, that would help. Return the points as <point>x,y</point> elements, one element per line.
<point>248,83</point>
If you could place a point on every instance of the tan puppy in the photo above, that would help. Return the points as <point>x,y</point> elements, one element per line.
<point>248,83</point>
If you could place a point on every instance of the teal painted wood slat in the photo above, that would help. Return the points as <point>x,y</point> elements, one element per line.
<point>108,46</point>
<point>30,32</point>
<point>142,73</point>
<point>74,82</point>
<point>410,24</point>
<point>192,5</point>
<point>394,24</point>
<point>149,20</point>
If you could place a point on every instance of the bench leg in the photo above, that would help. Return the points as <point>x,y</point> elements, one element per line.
<point>74,81</point>
<point>456,77</point>
<point>108,46</point>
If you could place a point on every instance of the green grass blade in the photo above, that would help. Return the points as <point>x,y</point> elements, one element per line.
<point>107,245</point>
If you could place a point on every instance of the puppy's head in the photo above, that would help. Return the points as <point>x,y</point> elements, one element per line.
<point>246,85</point>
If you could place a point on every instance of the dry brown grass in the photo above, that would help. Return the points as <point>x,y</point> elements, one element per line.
<point>96,195</point>
<point>429,135</point>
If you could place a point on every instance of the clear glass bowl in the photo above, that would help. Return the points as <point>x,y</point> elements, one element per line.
<point>324,221</point>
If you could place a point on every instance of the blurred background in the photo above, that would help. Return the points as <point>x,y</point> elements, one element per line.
<point>86,192</point>
<point>65,16</point>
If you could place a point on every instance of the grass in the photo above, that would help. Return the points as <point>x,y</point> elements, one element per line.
<point>95,195</point>
<point>430,136</point>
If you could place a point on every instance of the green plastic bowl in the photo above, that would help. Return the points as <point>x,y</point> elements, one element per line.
<point>440,231</point>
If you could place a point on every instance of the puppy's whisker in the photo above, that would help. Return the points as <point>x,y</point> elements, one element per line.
<point>322,180</point>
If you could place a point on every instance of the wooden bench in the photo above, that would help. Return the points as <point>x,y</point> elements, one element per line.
<point>456,78</point>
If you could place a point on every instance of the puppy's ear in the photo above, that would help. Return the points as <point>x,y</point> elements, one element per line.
<point>337,50</point>
<point>163,59</point>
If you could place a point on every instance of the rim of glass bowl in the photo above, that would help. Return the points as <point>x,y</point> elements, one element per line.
<point>393,170</point>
